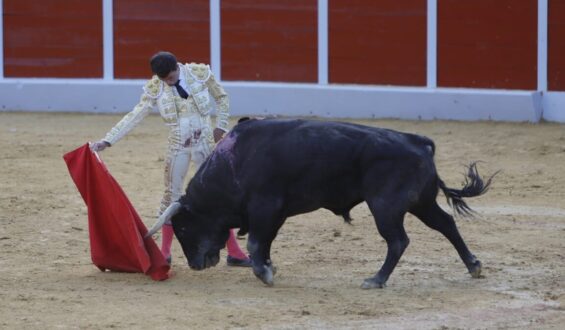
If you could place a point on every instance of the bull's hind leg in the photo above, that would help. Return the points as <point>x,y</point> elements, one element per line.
<point>436,218</point>
<point>390,223</point>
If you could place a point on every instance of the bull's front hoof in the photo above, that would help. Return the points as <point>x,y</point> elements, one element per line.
<point>476,269</point>
<point>372,283</point>
<point>270,265</point>
<point>195,266</point>
<point>211,260</point>
<point>265,274</point>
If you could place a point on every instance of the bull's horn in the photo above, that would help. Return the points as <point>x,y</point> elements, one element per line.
<point>169,212</point>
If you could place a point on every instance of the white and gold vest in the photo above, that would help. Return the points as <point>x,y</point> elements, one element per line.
<point>197,107</point>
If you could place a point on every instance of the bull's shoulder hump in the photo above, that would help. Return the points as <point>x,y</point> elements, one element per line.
<point>266,124</point>
<point>278,128</point>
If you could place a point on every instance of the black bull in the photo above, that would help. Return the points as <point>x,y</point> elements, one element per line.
<point>265,171</point>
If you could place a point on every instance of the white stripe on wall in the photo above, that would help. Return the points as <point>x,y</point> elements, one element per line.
<point>215,39</point>
<point>431,58</point>
<point>323,54</point>
<point>542,44</point>
<point>265,99</point>
<point>1,39</point>
<point>108,38</point>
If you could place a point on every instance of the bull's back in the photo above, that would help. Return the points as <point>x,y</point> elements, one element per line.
<point>294,145</point>
<point>287,149</point>
<point>327,140</point>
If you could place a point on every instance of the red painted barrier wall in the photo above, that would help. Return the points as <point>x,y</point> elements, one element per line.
<point>269,40</point>
<point>556,46</point>
<point>144,27</point>
<point>53,38</point>
<point>481,43</point>
<point>487,44</point>
<point>377,42</point>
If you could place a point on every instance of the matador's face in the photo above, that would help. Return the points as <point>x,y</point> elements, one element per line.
<point>172,77</point>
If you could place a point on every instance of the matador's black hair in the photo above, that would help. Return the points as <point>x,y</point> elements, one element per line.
<point>163,63</point>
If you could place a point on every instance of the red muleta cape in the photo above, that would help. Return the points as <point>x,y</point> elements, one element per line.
<point>115,229</point>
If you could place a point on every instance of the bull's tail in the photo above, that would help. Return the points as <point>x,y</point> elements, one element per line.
<point>474,186</point>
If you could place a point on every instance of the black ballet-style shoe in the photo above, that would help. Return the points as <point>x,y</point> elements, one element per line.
<point>236,262</point>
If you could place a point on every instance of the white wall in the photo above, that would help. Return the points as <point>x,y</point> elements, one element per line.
<point>553,105</point>
<point>337,101</point>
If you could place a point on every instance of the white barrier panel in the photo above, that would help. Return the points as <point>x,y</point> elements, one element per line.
<point>382,102</point>
<point>69,95</point>
<point>335,101</point>
<point>554,106</point>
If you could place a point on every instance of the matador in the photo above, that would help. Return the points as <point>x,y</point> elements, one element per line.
<point>182,93</point>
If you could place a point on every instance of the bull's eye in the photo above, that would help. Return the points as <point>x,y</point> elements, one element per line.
<point>181,232</point>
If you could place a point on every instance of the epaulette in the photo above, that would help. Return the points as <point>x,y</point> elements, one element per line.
<point>199,72</point>
<point>153,87</point>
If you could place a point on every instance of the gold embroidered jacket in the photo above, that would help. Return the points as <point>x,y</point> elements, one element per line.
<point>157,94</point>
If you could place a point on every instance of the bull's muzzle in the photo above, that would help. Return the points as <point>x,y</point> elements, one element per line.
<point>205,261</point>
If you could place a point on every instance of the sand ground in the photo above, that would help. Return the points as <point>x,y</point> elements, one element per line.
<point>47,279</point>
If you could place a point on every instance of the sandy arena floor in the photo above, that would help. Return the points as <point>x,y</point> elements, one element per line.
<point>47,279</point>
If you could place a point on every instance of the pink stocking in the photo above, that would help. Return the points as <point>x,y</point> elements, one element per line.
<point>233,247</point>
<point>167,240</point>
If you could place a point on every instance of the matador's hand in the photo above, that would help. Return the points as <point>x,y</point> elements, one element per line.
<point>218,134</point>
<point>99,145</point>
